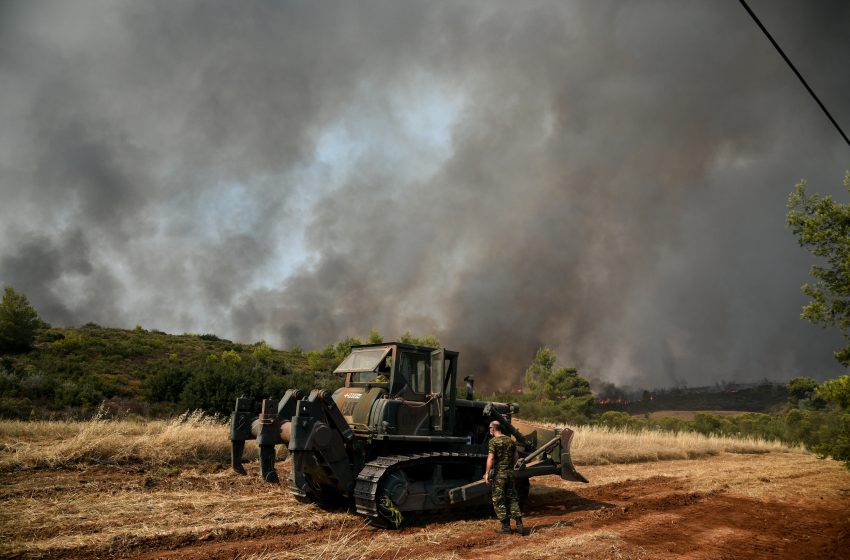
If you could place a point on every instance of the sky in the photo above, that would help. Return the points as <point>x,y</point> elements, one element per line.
<point>609,179</point>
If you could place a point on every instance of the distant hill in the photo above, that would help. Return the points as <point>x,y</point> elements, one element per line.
<point>72,371</point>
<point>762,397</point>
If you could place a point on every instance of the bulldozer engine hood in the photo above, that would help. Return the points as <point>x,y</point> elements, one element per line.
<point>356,404</point>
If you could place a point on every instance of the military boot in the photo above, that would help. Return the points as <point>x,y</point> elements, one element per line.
<point>506,527</point>
<point>519,528</point>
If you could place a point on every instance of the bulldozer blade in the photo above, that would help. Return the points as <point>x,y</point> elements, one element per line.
<point>568,470</point>
<point>237,446</point>
<point>469,492</point>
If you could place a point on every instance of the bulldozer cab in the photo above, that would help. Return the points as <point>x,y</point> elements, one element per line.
<point>418,375</point>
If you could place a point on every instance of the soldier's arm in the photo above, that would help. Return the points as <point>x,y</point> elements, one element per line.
<point>488,468</point>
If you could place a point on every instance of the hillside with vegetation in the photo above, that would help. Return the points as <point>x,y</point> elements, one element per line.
<point>51,372</point>
<point>70,372</point>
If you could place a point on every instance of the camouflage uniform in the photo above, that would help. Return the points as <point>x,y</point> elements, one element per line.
<point>505,501</point>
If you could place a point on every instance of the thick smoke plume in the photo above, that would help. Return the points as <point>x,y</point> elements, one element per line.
<point>607,178</point>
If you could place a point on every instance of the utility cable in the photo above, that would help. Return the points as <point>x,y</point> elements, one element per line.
<point>776,45</point>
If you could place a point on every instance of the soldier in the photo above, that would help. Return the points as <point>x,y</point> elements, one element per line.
<point>469,384</point>
<point>500,476</point>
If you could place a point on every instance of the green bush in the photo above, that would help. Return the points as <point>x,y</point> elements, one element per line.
<point>214,390</point>
<point>836,442</point>
<point>836,391</point>
<point>167,383</point>
<point>18,322</point>
<point>209,336</point>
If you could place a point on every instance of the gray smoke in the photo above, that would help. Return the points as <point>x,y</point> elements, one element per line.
<point>606,178</point>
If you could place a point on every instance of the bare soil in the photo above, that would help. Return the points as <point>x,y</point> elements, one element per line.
<point>771,506</point>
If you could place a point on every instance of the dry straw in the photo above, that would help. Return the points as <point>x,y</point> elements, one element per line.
<point>594,445</point>
<point>197,438</point>
<point>192,437</point>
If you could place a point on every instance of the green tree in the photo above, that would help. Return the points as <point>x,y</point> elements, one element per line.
<point>823,227</point>
<point>374,337</point>
<point>231,359</point>
<point>565,383</point>
<point>800,388</point>
<point>320,362</point>
<point>836,391</point>
<point>18,322</point>
<point>539,371</point>
<point>167,383</point>
<point>557,394</point>
<point>343,348</point>
<point>429,341</point>
<point>263,352</point>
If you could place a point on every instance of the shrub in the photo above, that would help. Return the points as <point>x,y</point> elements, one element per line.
<point>18,322</point>
<point>167,384</point>
<point>209,336</point>
<point>262,352</point>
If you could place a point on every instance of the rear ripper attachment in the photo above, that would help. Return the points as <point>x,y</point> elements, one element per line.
<point>395,440</point>
<point>318,438</point>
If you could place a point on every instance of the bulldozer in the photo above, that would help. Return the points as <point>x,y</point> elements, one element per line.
<point>395,440</point>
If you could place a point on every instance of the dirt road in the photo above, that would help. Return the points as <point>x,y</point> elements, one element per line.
<point>775,505</point>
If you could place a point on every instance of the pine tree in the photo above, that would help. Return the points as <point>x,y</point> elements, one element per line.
<point>18,322</point>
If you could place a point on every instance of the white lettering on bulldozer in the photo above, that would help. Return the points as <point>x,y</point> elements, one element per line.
<point>353,395</point>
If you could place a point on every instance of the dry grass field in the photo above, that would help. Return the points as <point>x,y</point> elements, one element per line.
<point>113,489</point>
<point>690,414</point>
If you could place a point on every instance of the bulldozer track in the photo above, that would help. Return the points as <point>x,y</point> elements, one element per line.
<point>367,487</point>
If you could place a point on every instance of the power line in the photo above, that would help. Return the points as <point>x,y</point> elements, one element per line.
<point>776,45</point>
